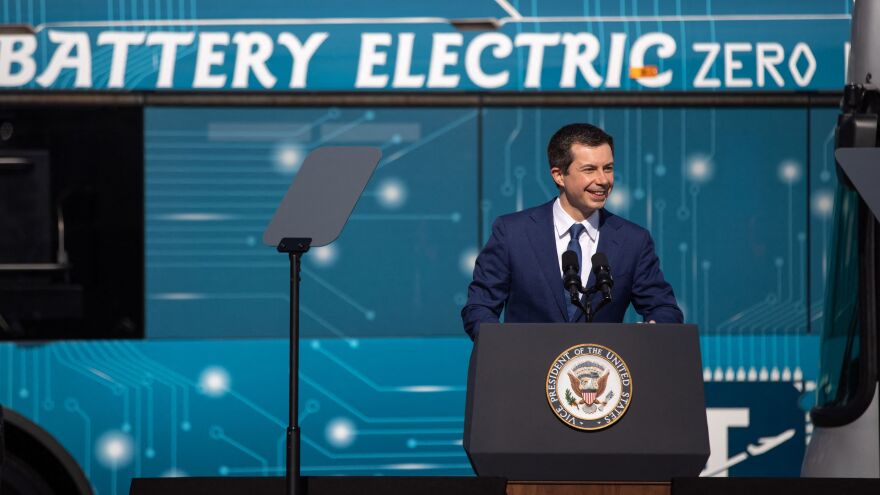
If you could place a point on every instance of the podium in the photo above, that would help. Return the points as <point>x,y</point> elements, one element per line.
<point>521,415</point>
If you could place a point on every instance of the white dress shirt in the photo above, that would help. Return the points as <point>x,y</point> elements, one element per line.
<point>589,240</point>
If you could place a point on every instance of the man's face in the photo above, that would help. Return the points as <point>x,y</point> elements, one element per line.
<point>589,180</point>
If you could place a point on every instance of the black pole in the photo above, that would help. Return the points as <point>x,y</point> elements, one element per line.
<point>292,470</point>
<point>295,248</point>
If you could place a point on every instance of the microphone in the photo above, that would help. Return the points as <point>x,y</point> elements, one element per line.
<point>602,270</point>
<point>571,274</point>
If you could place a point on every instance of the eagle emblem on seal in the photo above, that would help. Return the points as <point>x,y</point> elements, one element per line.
<point>589,386</point>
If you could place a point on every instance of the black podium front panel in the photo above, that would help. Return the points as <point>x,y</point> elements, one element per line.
<point>512,432</point>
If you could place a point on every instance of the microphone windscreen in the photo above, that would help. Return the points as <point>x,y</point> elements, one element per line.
<point>599,259</point>
<point>570,259</point>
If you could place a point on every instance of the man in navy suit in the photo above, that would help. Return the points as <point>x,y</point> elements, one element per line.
<point>519,270</point>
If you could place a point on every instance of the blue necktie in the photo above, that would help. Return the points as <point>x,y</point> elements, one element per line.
<point>574,245</point>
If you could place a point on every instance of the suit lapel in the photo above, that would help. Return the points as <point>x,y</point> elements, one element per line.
<point>541,236</point>
<point>609,240</point>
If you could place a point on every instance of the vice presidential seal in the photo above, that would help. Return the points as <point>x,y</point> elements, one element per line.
<point>589,387</point>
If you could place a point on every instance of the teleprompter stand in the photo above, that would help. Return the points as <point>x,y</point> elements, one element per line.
<point>312,213</point>
<point>295,247</point>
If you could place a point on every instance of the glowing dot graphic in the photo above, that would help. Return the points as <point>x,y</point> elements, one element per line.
<point>789,171</point>
<point>174,473</point>
<point>823,203</point>
<point>186,426</point>
<point>340,433</point>
<point>214,381</point>
<point>288,158</point>
<point>392,193</point>
<point>619,199</point>
<point>700,169</point>
<point>216,432</point>
<point>114,449</point>
<point>23,393</point>
<point>639,193</point>
<point>150,453</point>
<point>467,261</point>
<point>660,170</point>
<point>325,255</point>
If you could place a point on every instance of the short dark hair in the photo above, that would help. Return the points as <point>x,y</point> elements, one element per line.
<point>559,148</point>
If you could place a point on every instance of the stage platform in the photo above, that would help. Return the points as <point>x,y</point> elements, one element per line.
<point>386,485</point>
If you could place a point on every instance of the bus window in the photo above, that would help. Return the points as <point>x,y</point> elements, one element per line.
<point>838,381</point>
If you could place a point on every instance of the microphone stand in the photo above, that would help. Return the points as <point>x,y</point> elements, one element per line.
<point>589,313</point>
